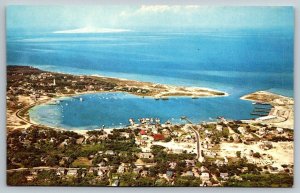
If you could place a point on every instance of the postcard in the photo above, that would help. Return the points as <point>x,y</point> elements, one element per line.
<point>150,95</point>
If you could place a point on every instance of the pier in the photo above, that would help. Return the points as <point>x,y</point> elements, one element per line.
<point>261,109</point>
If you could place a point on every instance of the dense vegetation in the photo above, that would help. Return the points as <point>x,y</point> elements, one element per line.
<point>262,180</point>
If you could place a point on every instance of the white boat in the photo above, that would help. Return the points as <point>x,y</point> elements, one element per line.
<point>164,98</point>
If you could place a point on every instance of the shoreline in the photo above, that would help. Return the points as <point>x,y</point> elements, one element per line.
<point>25,110</point>
<point>109,129</point>
<point>263,92</point>
<point>282,108</point>
<point>132,87</point>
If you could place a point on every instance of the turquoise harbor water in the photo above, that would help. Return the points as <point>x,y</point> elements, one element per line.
<point>237,62</point>
<point>114,110</point>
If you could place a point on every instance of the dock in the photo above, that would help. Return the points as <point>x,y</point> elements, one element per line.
<point>261,109</point>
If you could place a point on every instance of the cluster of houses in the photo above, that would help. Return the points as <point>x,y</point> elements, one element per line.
<point>34,83</point>
<point>151,132</point>
<point>176,139</point>
<point>248,134</point>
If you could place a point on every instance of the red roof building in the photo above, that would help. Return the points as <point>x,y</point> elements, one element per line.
<point>158,137</point>
<point>143,132</point>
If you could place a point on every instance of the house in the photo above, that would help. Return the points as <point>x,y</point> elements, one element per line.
<point>219,128</point>
<point>239,178</point>
<point>52,140</point>
<point>244,169</point>
<point>110,152</point>
<point>279,130</point>
<point>204,176</point>
<point>157,120</point>
<point>208,133</point>
<point>190,163</point>
<point>91,170</point>
<point>224,176</point>
<point>126,135</point>
<point>262,131</point>
<point>166,132</point>
<point>189,173</point>
<point>219,162</point>
<point>121,169</point>
<point>131,121</point>
<point>72,172</point>
<point>203,169</point>
<point>145,155</point>
<point>143,132</point>
<point>80,140</point>
<point>64,143</point>
<point>60,171</point>
<point>169,174</point>
<point>155,130</point>
<point>30,178</point>
<point>242,130</point>
<point>158,137</point>
<point>172,165</point>
<point>100,173</point>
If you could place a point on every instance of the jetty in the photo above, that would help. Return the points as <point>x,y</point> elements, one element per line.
<point>259,114</point>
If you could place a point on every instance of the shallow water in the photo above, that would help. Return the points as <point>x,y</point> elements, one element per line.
<point>114,110</point>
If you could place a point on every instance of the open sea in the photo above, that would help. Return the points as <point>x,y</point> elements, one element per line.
<point>237,62</point>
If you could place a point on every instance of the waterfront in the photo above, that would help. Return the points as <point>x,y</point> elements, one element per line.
<point>114,110</point>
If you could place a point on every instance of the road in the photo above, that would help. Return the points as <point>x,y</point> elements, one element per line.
<point>191,127</point>
<point>32,169</point>
<point>26,108</point>
<point>199,155</point>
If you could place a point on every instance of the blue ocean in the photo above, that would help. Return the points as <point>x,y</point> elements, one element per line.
<point>236,61</point>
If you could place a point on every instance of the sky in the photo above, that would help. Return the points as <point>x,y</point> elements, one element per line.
<point>145,18</point>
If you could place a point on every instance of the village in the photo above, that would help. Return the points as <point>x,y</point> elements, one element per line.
<point>150,153</point>
<point>146,152</point>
